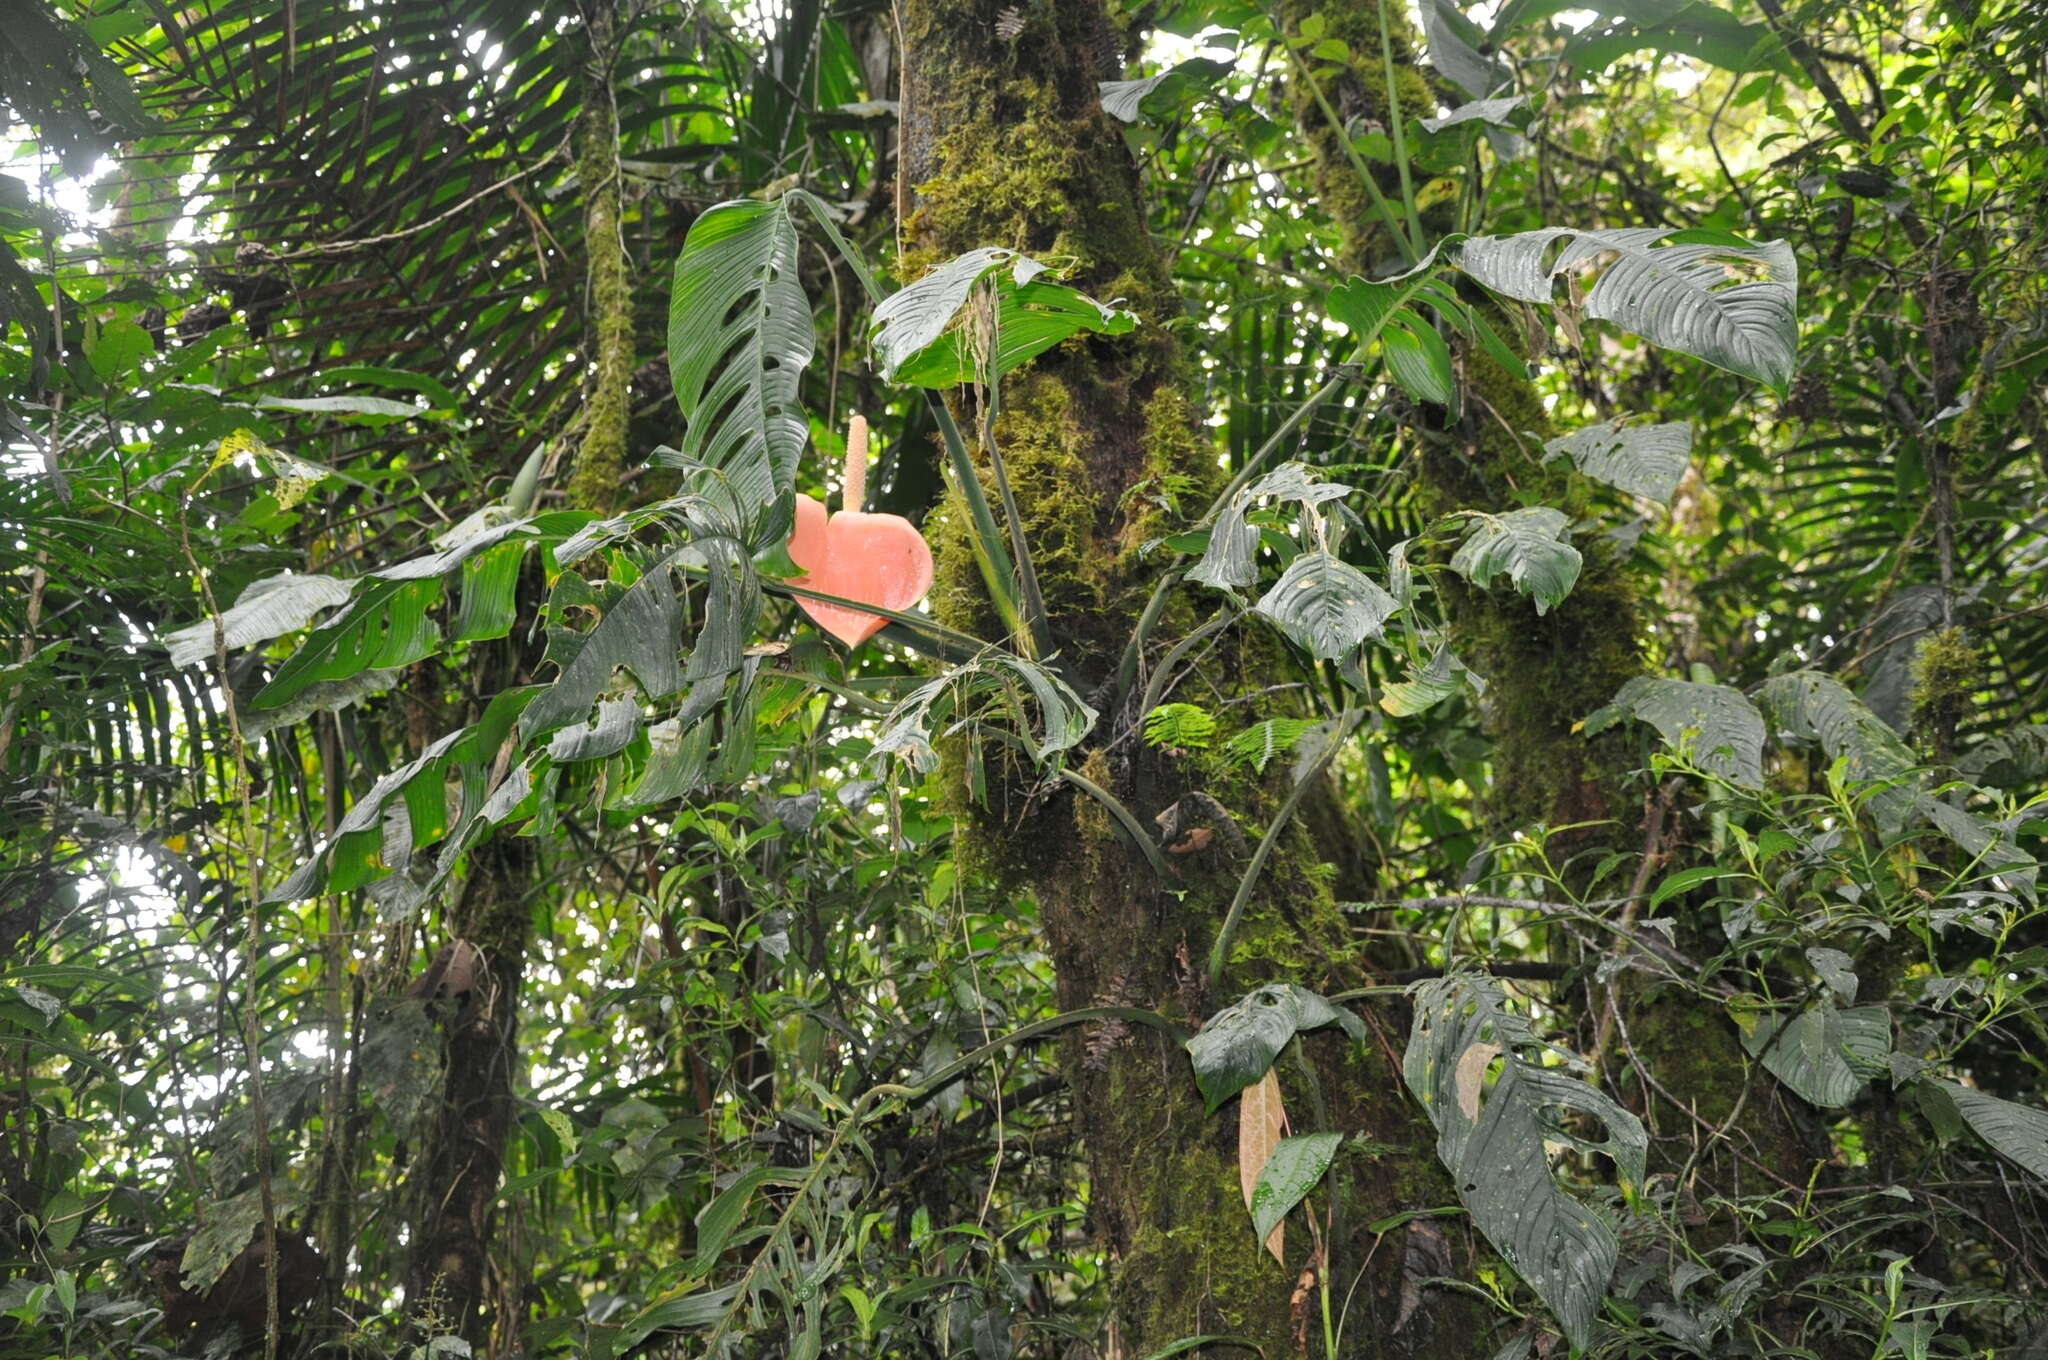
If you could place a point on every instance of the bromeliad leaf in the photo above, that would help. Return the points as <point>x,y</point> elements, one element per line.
<point>1492,1137</point>
<point>1240,1041</point>
<point>1824,1053</point>
<point>1706,293</point>
<point>1717,724</point>
<point>1293,1170</point>
<point>1327,605</point>
<point>739,338</point>
<point>1529,545</point>
<point>918,342</point>
<point>1643,460</point>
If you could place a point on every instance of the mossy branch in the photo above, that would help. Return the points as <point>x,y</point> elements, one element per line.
<point>601,458</point>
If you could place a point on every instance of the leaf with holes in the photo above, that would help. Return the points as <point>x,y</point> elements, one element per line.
<point>739,338</point>
<point>1327,605</point>
<point>1707,293</point>
<point>1719,726</point>
<point>1530,545</point>
<point>1492,1139</point>
<point>1643,460</point>
<point>1238,1044</point>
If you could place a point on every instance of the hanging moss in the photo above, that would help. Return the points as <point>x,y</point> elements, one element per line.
<point>1946,673</point>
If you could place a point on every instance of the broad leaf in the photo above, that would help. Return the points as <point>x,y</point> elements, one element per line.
<point>1531,545</point>
<point>1816,707</point>
<point>1435,682</point>
<point>1238,1044</point>
<point>1163,94</point>
<point>639,633</point>
<point>266,609</point>
<point>1643,460</point>
<point>1454,49</point>
<point>1706,293</point>
<point>1494,112</point>
<point>922,340</point>
<point>1824,1053</point>
<point>1492,1139</point>
<point>949,701</point>
<point>739,339</point>
<point>1718,725</point>
<point>2016,1132</point>
<point>1327,605</point>
<point>386,625</point>
<point>1293,1170</point>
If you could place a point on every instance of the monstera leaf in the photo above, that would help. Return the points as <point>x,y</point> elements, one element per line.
<point>1719,725</point>
<point>1706,293</point>
<point>1327,605</point>
<point>1472,1064</point>
<point>1643,460</point>
<point>1529,545</point>
<point>739,338</point>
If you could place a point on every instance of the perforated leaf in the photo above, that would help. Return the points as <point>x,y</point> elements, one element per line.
<point>1327,605</point>
<point>1643,460</point>
<point>1717,724</point>
<point>1238,1044</point>
<point>739,338</point>
<point>1492,1137</point>
<point>1706,293</point>
<point>1530,545</point>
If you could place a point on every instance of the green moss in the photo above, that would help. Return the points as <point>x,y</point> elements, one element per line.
<point>601,457</point>
<point>1946,672</point>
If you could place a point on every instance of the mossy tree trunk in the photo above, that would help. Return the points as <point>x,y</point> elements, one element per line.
<point>1548,671</point>
<point>1005,143</point>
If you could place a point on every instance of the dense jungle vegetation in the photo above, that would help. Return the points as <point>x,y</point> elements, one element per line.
<point>1432,742</point>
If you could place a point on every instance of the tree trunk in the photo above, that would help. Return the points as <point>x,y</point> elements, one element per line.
<point>1549,671</point>
<point>463,1162</point>
<point>1005,143</point>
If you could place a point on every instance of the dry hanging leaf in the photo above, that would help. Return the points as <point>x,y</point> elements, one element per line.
<point>1470,1078</point>
<point>1261,1123</point>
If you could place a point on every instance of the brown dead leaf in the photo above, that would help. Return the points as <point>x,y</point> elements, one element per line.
<point>1261,1123</point>
<point>1470,1078</point>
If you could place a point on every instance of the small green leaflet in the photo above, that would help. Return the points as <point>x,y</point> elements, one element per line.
<point>564,1131</point>
<point>1531,545</point>
<point>1293,1170</point>
<point>1239,1043</point>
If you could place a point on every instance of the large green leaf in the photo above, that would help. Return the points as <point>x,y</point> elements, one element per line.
<point>1158,95</point>
<point>1718,725</point>
<point>2018,1132</point>
<point>267,608</point>
<point>1824,1053</point>
<point>739,338</point>
<point>1817,707</point>
<point>1643,460</point>
<point>1706,293</point>
<point>1492,1139</point>
<point>640,633</point>
<point>1531,545</point>
<point>921,339</point>
<point>1238,1044</point>
<point>1327,605</point>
